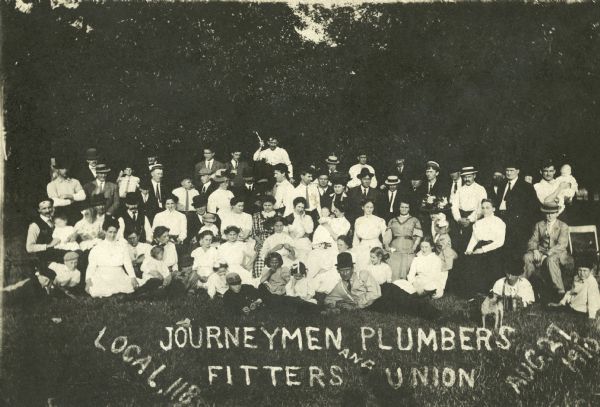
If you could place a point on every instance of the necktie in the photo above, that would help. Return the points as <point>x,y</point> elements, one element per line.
<point>127,185</point>
<point>365,192</point>
<point>306,197</point>
<point>209,164</point>
<point>158,195</point>
<point>101,187</point>
<point>392,196</point>
<point>455,187</point>
<point>134,217</point>
<point>204,188</point>
<point>235,164</point>
<point>187,200</point>
<point>429,189</point>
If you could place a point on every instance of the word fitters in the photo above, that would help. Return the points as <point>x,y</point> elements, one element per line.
<point>315,339</point>
<point>570,350</point>
<point>178,390</point>
<point>279,375</point>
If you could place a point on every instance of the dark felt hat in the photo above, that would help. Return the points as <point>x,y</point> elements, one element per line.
<point>344,260</point>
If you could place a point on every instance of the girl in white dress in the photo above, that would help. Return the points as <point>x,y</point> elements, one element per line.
<point>381,271</point>
<point>368,231</point>
<point>109,268</point>
<point>300,227</point>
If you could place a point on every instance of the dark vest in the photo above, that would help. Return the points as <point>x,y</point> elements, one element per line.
<point>45,236</point>
<point>138,225</point>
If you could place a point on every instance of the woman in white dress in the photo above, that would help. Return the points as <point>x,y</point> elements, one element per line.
<point>279,242</point>
<point>368,231</point>
<point>300,227</point>
<point>110,270</point>
<point>426,273</point>
<point>89,228</point>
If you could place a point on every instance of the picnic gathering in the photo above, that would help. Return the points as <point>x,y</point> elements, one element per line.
<point>264,234</point>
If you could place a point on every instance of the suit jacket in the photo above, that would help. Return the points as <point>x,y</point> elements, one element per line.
<point>217,165</point>
<point>402,193</point>
<point>83,174</point>
<point>211,188</point>
<point>242,169</point>
<point>355,198</point>
<point>554,243</point>
<point>521,201</point>
<point>111,195</point>
<point>194,223</point>
<point>151,206</point>
<point>326,197</point>
<point>438,189</point>
<point>251,198</point>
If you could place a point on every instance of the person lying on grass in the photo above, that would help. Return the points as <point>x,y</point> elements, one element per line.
<point>584,297</point>
<point>240,298</point>
<point>515,291</point>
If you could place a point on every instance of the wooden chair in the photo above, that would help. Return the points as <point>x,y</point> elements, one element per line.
<point>583,241</point>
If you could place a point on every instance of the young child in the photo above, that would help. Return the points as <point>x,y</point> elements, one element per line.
<point>67,274</point>
<point>516,292</point>
<point>584,297</point>
<point>209,220</point>
<point>127,182</point>
<point>216,285</point>
<point>155,272</point>
<point>300,286</point>
<point>240,298</point>
<point>65,233</point>
<point>381,272</point>
<point>566,176</point>
<point>204,257</point>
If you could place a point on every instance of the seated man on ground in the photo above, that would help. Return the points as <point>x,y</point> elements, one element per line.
<point>240,298</point>
<point>547,253</point>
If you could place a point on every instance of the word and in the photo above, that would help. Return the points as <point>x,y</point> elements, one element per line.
<point>431,376</point>
<point>179,390</point>
<point>443,339</point>
<point>279,375</point>
<point>215,337</point>
<point>569,349</point>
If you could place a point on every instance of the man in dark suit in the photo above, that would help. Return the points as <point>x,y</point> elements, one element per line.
<point>157,193</point>
<point>517,207</point>
<point>325,190</point>
<point>432,185</point>
<point>237,168</point>
<point>495,189</point>
<point>357,195</point>
<point>389,202</point>
<point>332,162</point>
<point>87,172</point>
<point>399,170</point>
<point>206,186</point>
<point>104,188</point>
<point>194,219</point>
<point>208,163</point>
<point>249,193</point>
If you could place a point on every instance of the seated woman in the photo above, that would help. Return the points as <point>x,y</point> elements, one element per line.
<point>368,229</point>
<point>320,264</point>
<point>402,239</point>
<point>483,254</point>
<point>234,251</point>
<point>155,273</point>
<point>161,237</point>
<point>109,268</point>
<point>441,240</point>
<point>262,229</point>
<point>381,271</point>
<point>515,292</point>
<point>426,274</point>
<point>279,242</point>
<point>300,226</point>
<point>204,257</point>
<point>88,228</point>
<point>237,217</point>
<point>330,228</point>
<point>217,286</point>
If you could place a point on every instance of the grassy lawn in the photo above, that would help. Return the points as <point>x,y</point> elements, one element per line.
<point>42,359</point>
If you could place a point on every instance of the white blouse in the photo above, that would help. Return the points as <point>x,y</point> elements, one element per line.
<point>368,227</point>
<point>382,273</point>
<point>110,254</point>
<point>303,225</point>
<point>204,260</point>
<point>490,228</point>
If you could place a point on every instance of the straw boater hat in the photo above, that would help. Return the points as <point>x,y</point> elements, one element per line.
<point>332,159</point>
<point>102,169</point>
<point>549,208</point>
<point>364,173</point>
<point>468,171</point>
<point>392,180</point>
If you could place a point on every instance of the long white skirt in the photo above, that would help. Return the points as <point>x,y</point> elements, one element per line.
<point>106,281</point>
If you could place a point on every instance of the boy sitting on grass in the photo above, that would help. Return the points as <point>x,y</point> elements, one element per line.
<point>155,273</point>
<point>516,292</point>
<point>67,275</point>
<point>584,297</point>
<point>240,298</point>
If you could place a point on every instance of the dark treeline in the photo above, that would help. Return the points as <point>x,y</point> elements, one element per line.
<point>466,84</point>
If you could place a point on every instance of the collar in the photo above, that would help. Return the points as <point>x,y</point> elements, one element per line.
<point>154,182</point>
<point>46,219</point>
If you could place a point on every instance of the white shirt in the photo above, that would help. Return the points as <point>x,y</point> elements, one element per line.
<point>490,228</point>
<point>175,221</point>
<point>152,268</point>
<point>301,226</point>
<point>458,185</point>
<point>233,253</point>
<point>219,200</point>
<point>509,186</point>
<point>241,220</point>
<point>273,157</point>
<point>468,198</point>
<point>426,272</point>
<point>382,273</point>
<point>170,257</point>
<point>62,186</point>
<point>522,289</point>
<point>303,288</point>
<point>355,170</point>
<point>127,183</point>
<point>544,189</point>
<point>154,185</point>
<point>216,284</point>
<point>340,226</point>
<point>181,193</point>
<point>204,260</point>
<point>314,197</point>
<point>284,196</point>
<point>138,250</point>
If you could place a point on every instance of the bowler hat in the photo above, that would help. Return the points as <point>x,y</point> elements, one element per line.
<point>365,172</point>
<point>233,278</point>
<point>344,260</point>
<point>91,154</point>
<point>131,198</point>
<point>199,201</point>
<point>339,179</point>
<point>468,171</point>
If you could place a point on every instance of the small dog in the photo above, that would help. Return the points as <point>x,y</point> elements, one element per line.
<point>492,306</point>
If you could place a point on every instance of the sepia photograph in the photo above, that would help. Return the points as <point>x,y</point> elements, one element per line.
<point>299,203</point>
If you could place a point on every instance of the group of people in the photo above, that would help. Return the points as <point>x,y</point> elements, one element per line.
<point>333,240</point>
